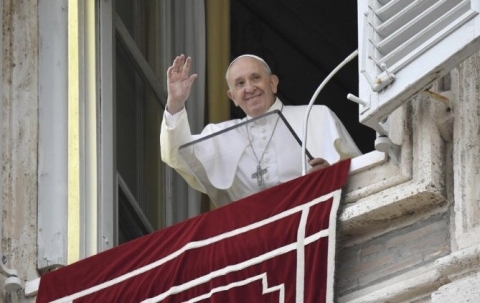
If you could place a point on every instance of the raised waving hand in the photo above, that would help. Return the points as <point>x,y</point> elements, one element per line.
<point>179,83</point>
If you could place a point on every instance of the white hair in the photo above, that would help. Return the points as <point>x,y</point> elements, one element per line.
<point>267,68</point>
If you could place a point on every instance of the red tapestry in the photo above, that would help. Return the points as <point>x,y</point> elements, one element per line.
<point>275,246</point>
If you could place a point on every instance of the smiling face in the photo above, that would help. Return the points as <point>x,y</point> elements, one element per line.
<point>251,86</point>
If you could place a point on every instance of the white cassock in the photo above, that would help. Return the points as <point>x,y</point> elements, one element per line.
<point>246,158</point>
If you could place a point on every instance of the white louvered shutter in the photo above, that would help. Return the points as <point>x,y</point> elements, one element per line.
<point>406,44</point>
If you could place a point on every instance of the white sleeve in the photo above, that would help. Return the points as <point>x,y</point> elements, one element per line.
<point>327,137</point>
<point>335,143</point>
<point>175,131</point>
<point>171,121</point>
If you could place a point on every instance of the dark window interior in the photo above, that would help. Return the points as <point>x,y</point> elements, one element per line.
<point>303,41</point>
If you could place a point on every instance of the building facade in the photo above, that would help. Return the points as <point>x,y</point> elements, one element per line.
<point>410,218</point>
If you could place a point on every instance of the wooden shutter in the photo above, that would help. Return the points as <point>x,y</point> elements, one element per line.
<point>406,44</point>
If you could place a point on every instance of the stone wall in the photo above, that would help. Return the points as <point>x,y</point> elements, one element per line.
<point>410,225</point>
<point>19,140</point>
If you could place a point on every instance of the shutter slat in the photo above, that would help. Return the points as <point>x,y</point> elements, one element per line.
<point>392,8</point>
<point>429,35</point>
<point>410,27</point>
<point>405,45</point>
<point>384,2</point>
<point>403,16</point>
<point>419,23</point>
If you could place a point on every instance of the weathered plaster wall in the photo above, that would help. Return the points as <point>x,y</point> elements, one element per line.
<point>410,226</point>
<point>413,233</point>
<point>19,138</point>
<point>394,254</point>
<point>463,290</point>
<point>466,156</point>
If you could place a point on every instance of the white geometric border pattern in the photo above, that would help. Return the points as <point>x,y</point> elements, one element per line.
<point>299,246</point>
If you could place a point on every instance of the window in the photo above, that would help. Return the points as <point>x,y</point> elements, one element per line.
<point>138,110</point>
<point>101,181</point>
<point>148,35</point>
<point>404,45</point>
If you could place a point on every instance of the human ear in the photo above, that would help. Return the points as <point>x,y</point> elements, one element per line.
<point>231,97</point>
<point>274,83</point>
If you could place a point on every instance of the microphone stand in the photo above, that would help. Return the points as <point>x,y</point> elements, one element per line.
<point>310,105</point>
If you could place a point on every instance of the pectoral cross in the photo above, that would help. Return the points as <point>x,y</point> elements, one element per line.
<point>259,175</point>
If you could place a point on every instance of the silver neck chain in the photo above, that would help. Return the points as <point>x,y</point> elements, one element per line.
<point>260,172</point>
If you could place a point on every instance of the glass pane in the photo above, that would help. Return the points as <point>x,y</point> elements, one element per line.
<point>126,10</point>
<point>130,225</point>
<point>138,118</point>
<point>129,110</point>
